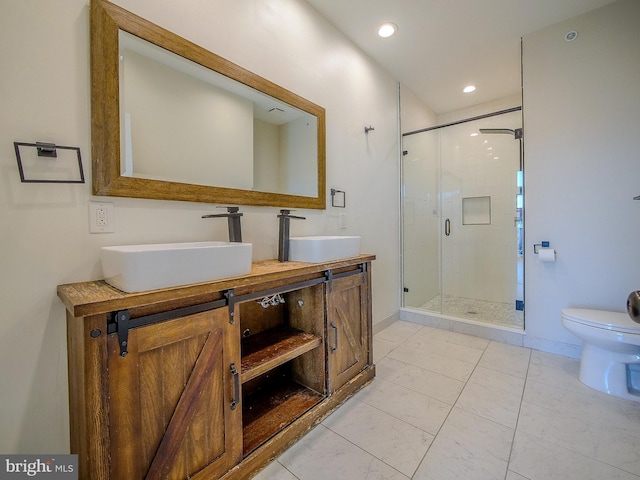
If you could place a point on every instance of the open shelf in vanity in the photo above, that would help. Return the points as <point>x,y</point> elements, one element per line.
<point>271,404</point>
<point>283,359</point>
<point>267,350</point>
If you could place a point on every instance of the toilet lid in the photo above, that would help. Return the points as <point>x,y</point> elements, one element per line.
<point>617,321</point>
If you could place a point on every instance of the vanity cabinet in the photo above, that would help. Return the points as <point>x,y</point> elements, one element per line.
<point>213,380</point>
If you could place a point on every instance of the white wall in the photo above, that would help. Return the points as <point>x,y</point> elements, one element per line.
<point>44,239</point>
<point>582,166</point>
<point>415,115</point>
<point>504,103</point>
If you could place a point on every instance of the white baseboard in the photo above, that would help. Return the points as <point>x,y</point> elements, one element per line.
<point>498,333</point>
<point>384,323</point>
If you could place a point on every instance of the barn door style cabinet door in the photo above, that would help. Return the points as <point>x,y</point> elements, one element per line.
<point>349,325</point>
<point>172,410</point>
<point>213,380</point>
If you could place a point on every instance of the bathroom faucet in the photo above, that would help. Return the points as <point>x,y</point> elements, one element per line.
<point>233,216</point>
<point>283,234</point>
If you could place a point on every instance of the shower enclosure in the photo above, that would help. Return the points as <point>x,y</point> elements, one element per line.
<point>462,199</point>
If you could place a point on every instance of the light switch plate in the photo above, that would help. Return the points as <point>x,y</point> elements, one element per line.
<point>344,223</point>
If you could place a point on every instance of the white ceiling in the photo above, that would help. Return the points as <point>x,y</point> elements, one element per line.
<point>443,45</point>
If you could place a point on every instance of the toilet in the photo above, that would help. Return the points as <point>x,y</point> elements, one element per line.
<point>610,351</point>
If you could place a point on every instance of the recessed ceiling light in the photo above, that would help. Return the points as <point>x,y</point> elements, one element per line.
<point>468,89</point>
<point>571,36</point>
<point>474,134</point>
<point>387,29</point>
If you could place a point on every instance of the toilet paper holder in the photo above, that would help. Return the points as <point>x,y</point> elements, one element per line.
<point>537,246</point>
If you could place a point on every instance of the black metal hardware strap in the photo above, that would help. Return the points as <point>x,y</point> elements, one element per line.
<point>330,276</point>
<point>121,320</point>
<point>283,289</point>
<point>230,296</point>
<point>122,325</point>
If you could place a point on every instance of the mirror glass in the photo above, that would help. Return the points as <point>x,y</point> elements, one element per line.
<point>185,124</point>
<point>217,132</point>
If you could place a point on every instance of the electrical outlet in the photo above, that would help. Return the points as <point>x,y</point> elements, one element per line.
<point>101,217</point>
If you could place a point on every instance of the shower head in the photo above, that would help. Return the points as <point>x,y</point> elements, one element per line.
<point>517,133</point>
<point>497,131</point>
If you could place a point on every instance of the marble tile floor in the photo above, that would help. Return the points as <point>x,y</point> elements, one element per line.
<point>484,311</point>
<point>445,405</point>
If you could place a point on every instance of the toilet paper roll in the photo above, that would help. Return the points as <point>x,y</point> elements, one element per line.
<point>547,254</point>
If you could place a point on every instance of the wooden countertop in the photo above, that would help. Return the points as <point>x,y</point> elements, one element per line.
<point>98,297</point>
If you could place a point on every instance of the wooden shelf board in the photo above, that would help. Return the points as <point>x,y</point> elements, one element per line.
<point>267,350</point>
<point>268,411</point>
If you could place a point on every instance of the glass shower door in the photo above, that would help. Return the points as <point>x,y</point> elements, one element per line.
<point>462,221</point>
<point>421,221</point>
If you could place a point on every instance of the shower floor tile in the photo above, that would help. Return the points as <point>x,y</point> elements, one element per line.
<point>495,313</point>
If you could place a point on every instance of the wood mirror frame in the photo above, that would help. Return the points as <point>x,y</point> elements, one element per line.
<point>106,21</point>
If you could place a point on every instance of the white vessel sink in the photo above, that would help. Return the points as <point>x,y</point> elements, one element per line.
<point>137,268</point>
<point>323,248</point>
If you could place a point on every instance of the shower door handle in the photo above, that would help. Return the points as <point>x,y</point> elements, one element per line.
<point>447,227</point>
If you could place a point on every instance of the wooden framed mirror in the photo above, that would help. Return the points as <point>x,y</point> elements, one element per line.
<point>246,140</point>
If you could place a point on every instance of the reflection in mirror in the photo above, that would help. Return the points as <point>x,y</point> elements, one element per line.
<point>173,121</point>
<point>233,135</point>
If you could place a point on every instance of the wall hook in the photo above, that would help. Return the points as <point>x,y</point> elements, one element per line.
<point>368,129</point>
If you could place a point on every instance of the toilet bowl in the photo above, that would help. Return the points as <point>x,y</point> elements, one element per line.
<point>610,352</point>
